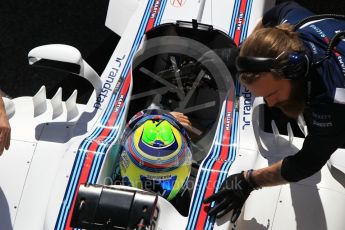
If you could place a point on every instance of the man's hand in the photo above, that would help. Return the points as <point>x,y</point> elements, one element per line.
<point>5,133</point>
<point>183,119</point>
<point>231,196</point>
<point>5,129</point>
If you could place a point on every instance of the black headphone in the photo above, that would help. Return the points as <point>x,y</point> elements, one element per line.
<point>297,65</point>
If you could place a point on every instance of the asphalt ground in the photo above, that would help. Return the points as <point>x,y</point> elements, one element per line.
<point>27,24</point>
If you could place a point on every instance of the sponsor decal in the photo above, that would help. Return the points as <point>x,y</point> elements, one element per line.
<point>323,124</point>
<point>240,21</point>
<point>228,121</point>
<point>125,161</point>
<point>178,3</point>
<point>108,83</point>
<point>119,103</point>
<point>342,64</point>
<point>319,31</point>
<point>155,9</point>
<point>155,177</point>
<point>313,47</point>
<point>247,107</point>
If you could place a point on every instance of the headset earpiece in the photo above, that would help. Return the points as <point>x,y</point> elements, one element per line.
<point>297,65</point>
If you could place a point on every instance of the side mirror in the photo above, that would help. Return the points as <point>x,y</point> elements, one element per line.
<point>64,58</point>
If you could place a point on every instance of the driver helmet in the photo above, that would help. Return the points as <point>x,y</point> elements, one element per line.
<point>155,154</point>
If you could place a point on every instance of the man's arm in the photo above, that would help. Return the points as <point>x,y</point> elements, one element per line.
<point>5,128</point>
<point>269,176</point>
<point>290,12</point>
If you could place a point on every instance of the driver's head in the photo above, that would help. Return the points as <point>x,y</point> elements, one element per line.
<point>277,89</point>
<point>156,154</point>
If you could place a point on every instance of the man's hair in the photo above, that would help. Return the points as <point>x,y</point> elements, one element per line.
<point>270,43</point>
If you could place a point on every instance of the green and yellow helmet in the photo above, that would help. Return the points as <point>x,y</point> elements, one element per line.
<point>155,154</point>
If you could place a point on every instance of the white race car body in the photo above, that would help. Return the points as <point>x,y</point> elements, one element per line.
<point>56,146</point>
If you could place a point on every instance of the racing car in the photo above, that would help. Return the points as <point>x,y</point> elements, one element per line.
<point>173,55</point>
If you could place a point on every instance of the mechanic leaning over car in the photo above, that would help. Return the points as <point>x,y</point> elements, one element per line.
<point>5,128</point>
<point>296,62</point>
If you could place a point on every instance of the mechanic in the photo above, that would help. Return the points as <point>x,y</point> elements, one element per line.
<point>296,63</point>
<point>5,128</point>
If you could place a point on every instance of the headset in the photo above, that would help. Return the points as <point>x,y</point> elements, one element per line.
<point>297,64</point>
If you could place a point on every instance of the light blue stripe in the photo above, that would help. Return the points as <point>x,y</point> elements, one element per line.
<point>98,157</point>
<point>76,173</point>
<point>233,19</point>
<point>96,132</point>
<point>226,166</point>
<point>157,16</point>
<point>128,62</point>
<point>138,38</point>
<point>79,156</point>
<point>94,163</point>
<point>160,14</point>
<point>79,163</point>
<point>232,156</point>
<point>143,22</point>
<point>104,118</point>
<point>196,203</point>
<point>62,220</point>
<point>103,147</point>
<point>107,142</point>
<point>137,41</point>
<point>111,105</point>
<point>71,195</point>
<point>109,109</point>
<point>233,23</point>
<point>236,136</point>
<point>246,20</point>
<point>209,222</point>
<point>210,161</point>
<point>102,159</point>
<point>194,206</point>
